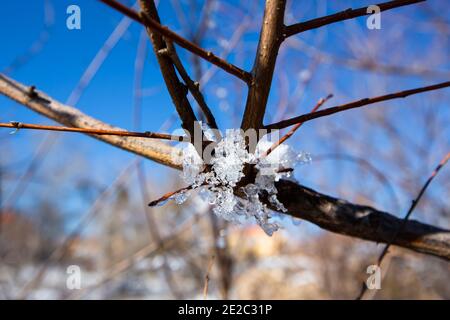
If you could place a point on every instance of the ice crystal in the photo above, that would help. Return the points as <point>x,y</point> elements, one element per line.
<point>217,185</point>
<point>192,166</point>
<point>209,133</point>
<point>180,197</point>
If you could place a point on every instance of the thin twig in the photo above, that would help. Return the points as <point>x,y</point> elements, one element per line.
<point>147,21</point>
<point>298,125</point>
<point>408,214</point>
<point>194,87</point>
<point>231,44</point>
<point>354,104</point>
<point>153,135</point>
<point>343,15</point>
<point>168,195</point>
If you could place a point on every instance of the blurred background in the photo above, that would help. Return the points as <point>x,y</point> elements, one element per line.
<point>67,199</point>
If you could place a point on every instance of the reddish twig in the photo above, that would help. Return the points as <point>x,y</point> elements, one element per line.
<point>343,15</point>
<point>168,195</point>
<point>164,136</point>
<point>408,214</point>
<point>298,125</point>
<point>354,104</point>
<point>182,42</point>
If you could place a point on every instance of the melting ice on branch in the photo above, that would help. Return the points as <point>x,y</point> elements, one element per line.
<point>227,164</point>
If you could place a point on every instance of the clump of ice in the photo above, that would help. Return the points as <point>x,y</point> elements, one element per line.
<point>227,165</point>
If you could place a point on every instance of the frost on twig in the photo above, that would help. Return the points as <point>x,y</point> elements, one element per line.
<point>219,180</point>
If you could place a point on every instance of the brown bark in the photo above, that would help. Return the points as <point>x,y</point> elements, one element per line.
<point>264,65</point>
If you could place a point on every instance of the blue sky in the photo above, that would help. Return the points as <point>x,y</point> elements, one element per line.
<point>57,68</point>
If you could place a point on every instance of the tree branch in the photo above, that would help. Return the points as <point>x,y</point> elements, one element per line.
<point>69,116</point>
<point>327,212</point>
<point>362,222</point>
<point>177,90</point>
<point>354,104</point>
<point>122,133</point>
<point>194,87</point>
<point>269,43</point>
<point>343,15</point>
<point>154,24</point>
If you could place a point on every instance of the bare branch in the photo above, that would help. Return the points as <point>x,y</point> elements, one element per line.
<point>69,116</point>
<point>354,104</point>
<point>340,216</point>
<point>168,196</point>
<point>177,90</point>
<point>152,23</point>
<point>194,87</point>
<point>269,43</point>
<point>163,136</point>
<point>343,15</point>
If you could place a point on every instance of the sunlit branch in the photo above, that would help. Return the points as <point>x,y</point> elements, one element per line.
<point>163,136</point>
